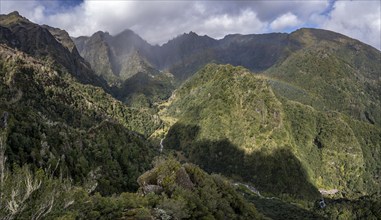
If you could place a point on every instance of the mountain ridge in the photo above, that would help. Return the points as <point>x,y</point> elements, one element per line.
<point>186,53</point>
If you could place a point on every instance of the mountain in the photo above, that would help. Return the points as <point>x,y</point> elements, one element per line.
<point>331,63</point>
<point>185,54</point>
<point>256,52</point>
<point>331,72</point>
<point>54,120</point>
<point>122,61</point>
<point>145,90</point>
<point>230,121</point>
<point>116,58</point>
<point>98,55</point>
<point>47,43</point>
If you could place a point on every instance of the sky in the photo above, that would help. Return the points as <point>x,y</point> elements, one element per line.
<point>159,21</point>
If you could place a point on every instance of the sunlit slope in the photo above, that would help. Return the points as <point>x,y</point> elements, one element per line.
<point>230,121</point>
<point>332,72</point>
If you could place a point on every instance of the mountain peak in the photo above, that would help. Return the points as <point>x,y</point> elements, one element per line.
<point>100,34</point>
<point>14,13</point>
<point>191,33</point>
<point>130,36</point>
<point>127,32</point>
<point>312,35</point>
<point>12,18</point>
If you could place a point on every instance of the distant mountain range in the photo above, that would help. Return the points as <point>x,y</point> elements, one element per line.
<point>290,124</point>
<point>335,67</point>
<point>183,55</point>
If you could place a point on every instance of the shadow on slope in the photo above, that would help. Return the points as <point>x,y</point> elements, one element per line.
<point>143,89</point>
<point>277,172</point>
<point>278,209</point>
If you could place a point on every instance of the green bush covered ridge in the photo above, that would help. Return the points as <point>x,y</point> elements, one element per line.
<point>331,72</point>
<point>51,120</point>
<point>230,121</point>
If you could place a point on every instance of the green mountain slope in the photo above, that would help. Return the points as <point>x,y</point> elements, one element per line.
<point>230,121</point>
<point>52,120</point>
<point>336,72</point>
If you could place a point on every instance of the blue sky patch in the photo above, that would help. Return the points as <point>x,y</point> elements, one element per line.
<point>59,6</point>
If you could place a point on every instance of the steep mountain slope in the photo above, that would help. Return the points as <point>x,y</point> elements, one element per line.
<point>52,120</point>
<point>98,54</point>
<point>116,58</point>
<point>230,121</point>
<point>185,54</point>
<point>122,61</point>
<point>46,43</point>
<point>255,51</point>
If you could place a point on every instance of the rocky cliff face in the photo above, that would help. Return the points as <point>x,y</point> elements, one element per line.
<point>115,58</point>
<point>124,62</point>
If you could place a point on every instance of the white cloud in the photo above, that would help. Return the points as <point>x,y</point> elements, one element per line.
<point>284,21</point>
<point>25,8</point>
<point>159,21</point>
<point>218,26</point>
<point>38,12</point>
<point>357,19</point>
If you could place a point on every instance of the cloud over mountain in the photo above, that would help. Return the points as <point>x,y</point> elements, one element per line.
<point>158,21</point>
